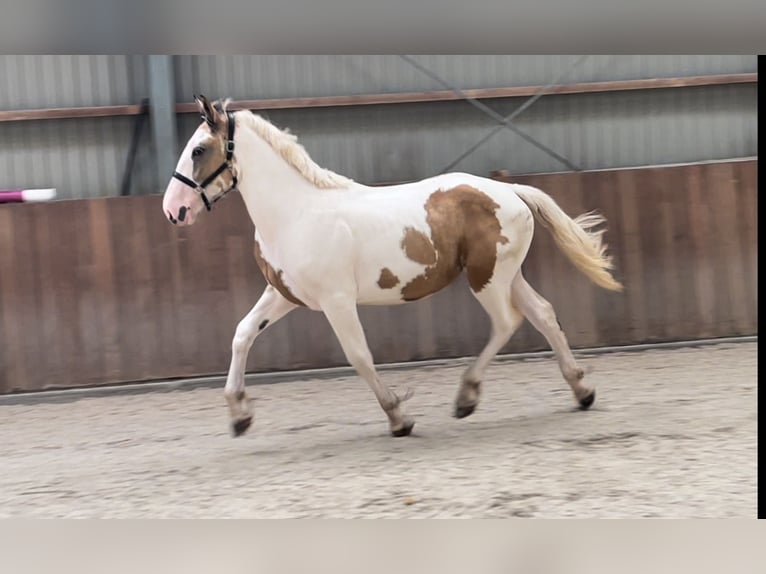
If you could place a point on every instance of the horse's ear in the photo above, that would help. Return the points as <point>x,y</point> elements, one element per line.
<point>206,110</point>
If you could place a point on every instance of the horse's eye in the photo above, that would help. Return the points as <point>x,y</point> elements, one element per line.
<point>198,151</point>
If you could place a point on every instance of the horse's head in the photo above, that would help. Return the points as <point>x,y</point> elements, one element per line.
<point>205,171</point>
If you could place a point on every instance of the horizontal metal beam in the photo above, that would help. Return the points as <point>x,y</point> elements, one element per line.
<point>392,98</point>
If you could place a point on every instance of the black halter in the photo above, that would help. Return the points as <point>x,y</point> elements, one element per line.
<point>200,187</point>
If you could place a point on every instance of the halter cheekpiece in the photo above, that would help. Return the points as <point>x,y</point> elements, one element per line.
<point>200,187</point>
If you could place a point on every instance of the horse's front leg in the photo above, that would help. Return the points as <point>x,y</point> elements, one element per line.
<point>268,310</point>
<point>344,319</point>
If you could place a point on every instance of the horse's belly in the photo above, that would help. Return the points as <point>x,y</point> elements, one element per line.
<point>404,275</point>
<point>386,284</point>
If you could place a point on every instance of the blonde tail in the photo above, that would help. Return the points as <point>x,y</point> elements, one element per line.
<point>574,237</point>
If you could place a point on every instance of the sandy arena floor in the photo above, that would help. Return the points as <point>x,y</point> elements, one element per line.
<point>672,434</point>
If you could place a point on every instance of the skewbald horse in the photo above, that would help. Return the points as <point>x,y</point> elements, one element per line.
<point>325,242</point>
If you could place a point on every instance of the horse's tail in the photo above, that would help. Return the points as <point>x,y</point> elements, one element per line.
<point>575,237</point>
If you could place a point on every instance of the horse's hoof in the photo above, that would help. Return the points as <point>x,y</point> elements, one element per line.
<point>405,430</point>
<point>462,411</point>
<point>239,427</point>
<point>586,402</point>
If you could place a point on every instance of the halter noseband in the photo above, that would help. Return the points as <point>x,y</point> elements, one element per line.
<point>200,187</point>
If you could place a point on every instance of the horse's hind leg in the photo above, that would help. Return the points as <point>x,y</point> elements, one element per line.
<point>542,316</point>
<point>495,298</point>
<point>268,310</point>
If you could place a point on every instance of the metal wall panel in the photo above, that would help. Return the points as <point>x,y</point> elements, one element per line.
<point>79,157</point>
<point>85,157</point>
<point>374,144</point>
<point>30,82</point>
<point>253,77</point>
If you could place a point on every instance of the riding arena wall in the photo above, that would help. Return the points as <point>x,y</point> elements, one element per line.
<point>104,291</point>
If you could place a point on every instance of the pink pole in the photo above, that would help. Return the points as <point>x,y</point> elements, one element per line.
<point>12,196</point>
<point>26,195</point>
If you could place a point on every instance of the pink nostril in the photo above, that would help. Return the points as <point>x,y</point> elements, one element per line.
<point>171,218</point>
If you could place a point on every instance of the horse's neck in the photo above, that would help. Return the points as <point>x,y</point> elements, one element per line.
<point>273,190</point>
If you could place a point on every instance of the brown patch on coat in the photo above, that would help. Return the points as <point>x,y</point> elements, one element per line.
<point>418,247</point>
<point>464,235</point>
<point>387,279</point>
<point>274,277</point>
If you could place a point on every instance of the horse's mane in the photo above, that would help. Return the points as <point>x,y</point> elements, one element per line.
<point>287,146</point>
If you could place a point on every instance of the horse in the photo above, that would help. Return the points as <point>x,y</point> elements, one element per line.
<point>330,244</point>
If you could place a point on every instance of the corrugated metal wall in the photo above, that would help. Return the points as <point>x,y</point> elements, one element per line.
<point>69,81</point>
<point>253,77</point>
<point>86,157</point>
<point>80,157</point>
<point>411,141</point>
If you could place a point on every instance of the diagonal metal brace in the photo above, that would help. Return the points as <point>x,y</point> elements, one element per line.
<point>491,113</point>
<point>540,93</point>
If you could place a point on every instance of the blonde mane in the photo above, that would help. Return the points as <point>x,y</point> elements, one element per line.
<point>287,146</point>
